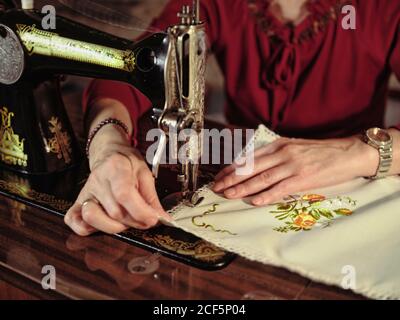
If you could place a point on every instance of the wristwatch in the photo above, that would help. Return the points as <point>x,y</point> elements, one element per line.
<point>382,141</point>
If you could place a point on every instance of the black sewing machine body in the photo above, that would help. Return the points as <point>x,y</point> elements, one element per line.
<point>40,139</point>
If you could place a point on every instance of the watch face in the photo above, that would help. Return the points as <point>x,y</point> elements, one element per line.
<point>379,136</point>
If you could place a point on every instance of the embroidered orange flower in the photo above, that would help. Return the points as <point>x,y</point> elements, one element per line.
<point>304,220</point>
<point>344,212</point>
<point>313,198</point>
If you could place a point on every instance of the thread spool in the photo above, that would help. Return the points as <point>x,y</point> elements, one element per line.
<point>27,4</point>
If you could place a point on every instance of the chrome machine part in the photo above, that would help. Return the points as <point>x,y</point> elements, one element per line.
<point>184,94</point>
<point>11,56</point>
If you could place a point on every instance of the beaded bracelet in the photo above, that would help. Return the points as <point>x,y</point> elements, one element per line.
<point>105,122</point>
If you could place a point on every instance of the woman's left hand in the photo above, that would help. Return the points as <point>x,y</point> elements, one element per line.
<point>289,166</point>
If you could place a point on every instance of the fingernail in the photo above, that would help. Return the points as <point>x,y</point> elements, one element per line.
<point>258,201</point>
<point>218,186</point>
<point>230,192</point>
<point>218,176</point>
<point>67,219</point>
<point>165,217</point>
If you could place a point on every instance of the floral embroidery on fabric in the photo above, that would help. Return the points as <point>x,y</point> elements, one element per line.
<point>209,226</point>
<point>303,213</point>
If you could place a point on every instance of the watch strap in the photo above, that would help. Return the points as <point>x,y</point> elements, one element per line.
<point>385,158</point>
<point>385,161</point>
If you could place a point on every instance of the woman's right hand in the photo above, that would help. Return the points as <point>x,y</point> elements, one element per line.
<point>120,191</point>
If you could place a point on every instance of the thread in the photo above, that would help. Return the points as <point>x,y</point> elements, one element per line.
<point>27,4</point>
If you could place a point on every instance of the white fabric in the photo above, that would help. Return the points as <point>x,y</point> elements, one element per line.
<point>363,234</point>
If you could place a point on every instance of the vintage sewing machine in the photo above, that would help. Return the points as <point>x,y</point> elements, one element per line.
<point>40,160</point>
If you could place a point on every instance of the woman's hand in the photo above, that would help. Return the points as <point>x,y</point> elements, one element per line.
<point>120,191</point>
<point>289,166</point>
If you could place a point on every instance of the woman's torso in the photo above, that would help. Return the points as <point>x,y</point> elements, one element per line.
<point>312,80</point>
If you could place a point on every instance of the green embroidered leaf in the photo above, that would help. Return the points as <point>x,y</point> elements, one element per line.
<point>294,215</point>
<point>275,212</point>
<point>282,214</point>
<point>282,229</point>
<point>283,206</point>
<point>315,214</point>
<point>344,212</point>
<point>325,213</point>
<point>315,204</point>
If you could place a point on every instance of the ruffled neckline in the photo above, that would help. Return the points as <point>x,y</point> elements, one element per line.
<point>321,12</point>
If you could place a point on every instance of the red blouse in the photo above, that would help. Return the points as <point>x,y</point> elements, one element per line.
<point>312,80</point>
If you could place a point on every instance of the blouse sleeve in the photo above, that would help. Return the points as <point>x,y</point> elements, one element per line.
<point>394,58</point>
<point>137,103</point>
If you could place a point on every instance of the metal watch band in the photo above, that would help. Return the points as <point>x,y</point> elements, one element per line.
<point>385,158</point>
<point>385,161</point>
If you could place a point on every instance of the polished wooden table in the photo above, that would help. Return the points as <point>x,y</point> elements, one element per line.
<point>97,268</point>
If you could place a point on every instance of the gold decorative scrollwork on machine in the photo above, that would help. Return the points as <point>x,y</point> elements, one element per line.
<point>20,187</point>
<point>60,143</point>
<point>200,249</point>
<point>11,146</point>
<point>51,44</point>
